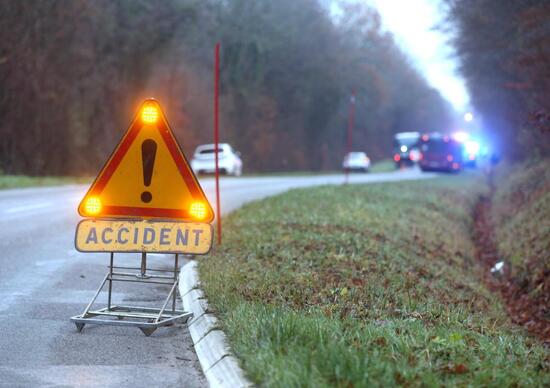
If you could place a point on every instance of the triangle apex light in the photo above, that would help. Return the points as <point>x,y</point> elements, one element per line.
<point>147,176</point>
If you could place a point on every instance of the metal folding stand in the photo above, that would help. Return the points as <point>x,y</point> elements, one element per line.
<point>147,319</point>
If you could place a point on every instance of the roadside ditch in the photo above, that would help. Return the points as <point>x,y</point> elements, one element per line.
<point>525,303</point>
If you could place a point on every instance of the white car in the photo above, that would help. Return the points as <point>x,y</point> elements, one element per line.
<point>356,161</point>
<point>229,160</point>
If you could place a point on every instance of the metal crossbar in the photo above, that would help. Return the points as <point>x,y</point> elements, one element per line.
<point>146,318</point>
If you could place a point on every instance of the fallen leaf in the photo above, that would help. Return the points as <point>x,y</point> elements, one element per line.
<point>456,369</point>
<point>381,341</point>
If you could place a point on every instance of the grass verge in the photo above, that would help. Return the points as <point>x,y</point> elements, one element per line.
<point>362,285</point>
<point>383,166</point>
<point>290,173</point>
<point>18,181</point>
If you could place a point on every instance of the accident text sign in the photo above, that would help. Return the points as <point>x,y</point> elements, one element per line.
<point>143,236</point>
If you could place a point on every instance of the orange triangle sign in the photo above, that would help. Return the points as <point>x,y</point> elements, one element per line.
<point>147,176</point>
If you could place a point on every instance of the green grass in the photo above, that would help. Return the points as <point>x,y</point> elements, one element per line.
<point>386,165</point>
<point>365,285</point>
<point>17,181</point>
<point>291,173</point>
<point>521,215</point>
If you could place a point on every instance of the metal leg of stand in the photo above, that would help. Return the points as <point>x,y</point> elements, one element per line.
<point>175,280</point>
<point>79,324</point>
<point>96,295</point>
<point>110,282</point>
<point>143,274</point>
<point>172,292</point>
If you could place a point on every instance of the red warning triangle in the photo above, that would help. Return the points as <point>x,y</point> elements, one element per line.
<point>147,176</point>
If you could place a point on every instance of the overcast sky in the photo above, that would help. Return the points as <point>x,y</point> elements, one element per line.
<point>413,24</point>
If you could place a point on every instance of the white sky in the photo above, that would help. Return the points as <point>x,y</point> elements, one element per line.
<point>413,24</point>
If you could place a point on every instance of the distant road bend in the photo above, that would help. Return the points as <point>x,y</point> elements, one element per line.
<point>44,281</point>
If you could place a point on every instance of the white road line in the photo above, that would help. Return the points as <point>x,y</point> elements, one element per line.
<point>27,207</point>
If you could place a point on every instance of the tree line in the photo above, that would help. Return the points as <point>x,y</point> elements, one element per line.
<point>73,72</point>
<point>504,51</point>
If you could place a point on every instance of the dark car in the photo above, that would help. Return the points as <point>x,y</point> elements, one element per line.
<point>405,148</point>
<point>440,153</point>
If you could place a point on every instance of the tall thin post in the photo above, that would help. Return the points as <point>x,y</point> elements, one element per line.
<point>217,137</point>
<point>351,122</point>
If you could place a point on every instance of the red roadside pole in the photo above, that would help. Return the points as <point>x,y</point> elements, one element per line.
<point>217,137</point>
<point>351,122</point>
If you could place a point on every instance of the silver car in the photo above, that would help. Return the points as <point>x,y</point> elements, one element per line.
<point>356,161</point>
<point>229,160</point>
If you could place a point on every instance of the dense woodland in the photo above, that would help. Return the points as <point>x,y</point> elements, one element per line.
<point>504,49</point>
<point>73,72</point>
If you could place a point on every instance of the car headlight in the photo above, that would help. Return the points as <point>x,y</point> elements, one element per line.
<point>471,147</point>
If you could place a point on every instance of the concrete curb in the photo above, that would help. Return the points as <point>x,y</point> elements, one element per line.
<point>218,364</point>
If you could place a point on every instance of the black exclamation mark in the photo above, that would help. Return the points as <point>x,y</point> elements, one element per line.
<point>148,152</point>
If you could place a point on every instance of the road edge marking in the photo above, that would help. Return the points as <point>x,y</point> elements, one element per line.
<point>218,364</point>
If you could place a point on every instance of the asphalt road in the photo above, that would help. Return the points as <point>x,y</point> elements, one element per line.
<point>44,281</point>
